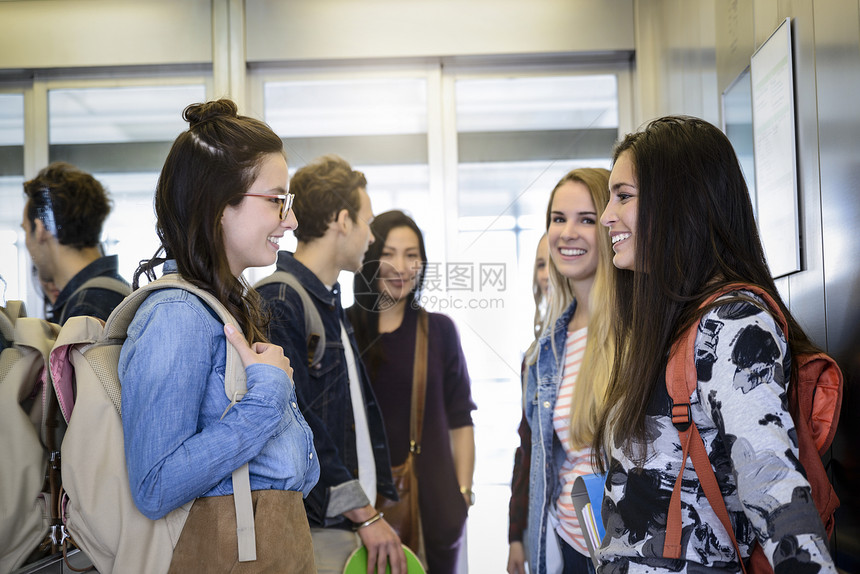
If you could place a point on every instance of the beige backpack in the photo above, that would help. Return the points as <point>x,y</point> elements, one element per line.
<point>100,515</point>
<point>24,507</point>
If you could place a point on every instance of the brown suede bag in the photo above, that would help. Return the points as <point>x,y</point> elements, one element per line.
<point>404,516</point>
<point>208,540</point>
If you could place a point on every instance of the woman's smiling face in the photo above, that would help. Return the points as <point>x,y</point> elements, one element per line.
<point>253,228</point>
<point>399,263</point>
<point>621,212</point>
<point>572,232</point>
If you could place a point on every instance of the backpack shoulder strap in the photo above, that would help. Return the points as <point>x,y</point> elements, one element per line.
<point>235,383</point>
<point>235,387</point>
<point>681,382</point>
<point>313,322</point>
<point>107,283</point>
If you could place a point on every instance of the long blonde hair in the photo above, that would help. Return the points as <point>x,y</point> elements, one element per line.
<point>594,373</point>
<point>541,298</point>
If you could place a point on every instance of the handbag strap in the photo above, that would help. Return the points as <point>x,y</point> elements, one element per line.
<point>419,383</point>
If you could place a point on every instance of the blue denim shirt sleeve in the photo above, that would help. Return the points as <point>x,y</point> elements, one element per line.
<point>177,445</point>
<point>547,456</point>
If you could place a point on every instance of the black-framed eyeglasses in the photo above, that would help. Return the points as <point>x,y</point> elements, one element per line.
<point>286,201</point>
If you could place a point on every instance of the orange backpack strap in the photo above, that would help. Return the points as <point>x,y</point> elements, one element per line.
<point>814,402</point>
<point>681,382</point>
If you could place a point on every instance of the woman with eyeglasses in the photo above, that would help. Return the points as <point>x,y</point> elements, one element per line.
<point>221,206</point>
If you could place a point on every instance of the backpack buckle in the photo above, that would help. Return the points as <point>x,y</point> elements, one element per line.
<point>59,534</point>
<point>682,416</point>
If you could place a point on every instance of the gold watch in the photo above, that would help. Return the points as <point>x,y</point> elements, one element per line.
<point>468,492</point>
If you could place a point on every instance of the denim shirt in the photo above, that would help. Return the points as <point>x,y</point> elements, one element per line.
<point>323,391</point>
<point>95,301</point>
<point>544,379</point>
<point>177,446</point>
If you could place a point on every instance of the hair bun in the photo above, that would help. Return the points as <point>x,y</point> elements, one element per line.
<point>198,113</point>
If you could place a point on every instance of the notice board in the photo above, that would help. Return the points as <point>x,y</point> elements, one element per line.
<point>774,144</point>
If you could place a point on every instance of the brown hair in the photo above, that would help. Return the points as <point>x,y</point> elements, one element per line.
<point>323,188</point>
<point>210,166</point>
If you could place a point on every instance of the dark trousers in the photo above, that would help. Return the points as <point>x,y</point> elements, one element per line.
<point>574,561</point>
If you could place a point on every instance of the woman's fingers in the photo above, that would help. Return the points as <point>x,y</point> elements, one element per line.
<point>264,353</point>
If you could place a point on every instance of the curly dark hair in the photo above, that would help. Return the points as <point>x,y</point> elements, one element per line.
<point>323,188</point>
<point>71,203</point>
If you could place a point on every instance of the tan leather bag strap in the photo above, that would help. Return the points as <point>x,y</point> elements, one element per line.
<point>419,383</point>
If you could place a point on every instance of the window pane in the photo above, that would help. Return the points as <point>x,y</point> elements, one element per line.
<point>130,229</point>
<point>347,107</point>
<point>121,136</point>
<point>12,263</point>
<point>113,115</point>
<point>737,116</point>
<point>540,103</point>
<point>516,138</point>
<point>378,125</point>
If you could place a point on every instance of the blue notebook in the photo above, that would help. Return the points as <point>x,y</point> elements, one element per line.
<point>587,497</point>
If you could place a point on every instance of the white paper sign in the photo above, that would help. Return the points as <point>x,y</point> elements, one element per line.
<point>775,155</point>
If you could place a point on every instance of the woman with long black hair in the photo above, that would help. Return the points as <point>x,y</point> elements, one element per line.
<point>682,228</point>
<point>385,317</point>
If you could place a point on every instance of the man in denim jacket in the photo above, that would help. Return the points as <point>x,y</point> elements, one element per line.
<point>62,223</point>
<point>335,396</point>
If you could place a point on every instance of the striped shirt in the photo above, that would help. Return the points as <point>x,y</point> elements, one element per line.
<point>578,461</point>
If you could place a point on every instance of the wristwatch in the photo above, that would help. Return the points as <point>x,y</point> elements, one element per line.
<point>468,492</point>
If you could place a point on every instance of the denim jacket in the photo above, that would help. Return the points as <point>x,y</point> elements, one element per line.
<point>323,391</point>
<point>94,301</point>
<point>544,379</point>
<point>177,446</point>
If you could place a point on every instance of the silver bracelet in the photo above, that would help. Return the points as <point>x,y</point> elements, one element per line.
<point>368,522</point>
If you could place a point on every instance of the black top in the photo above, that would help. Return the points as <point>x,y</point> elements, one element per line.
<point>448,405</point>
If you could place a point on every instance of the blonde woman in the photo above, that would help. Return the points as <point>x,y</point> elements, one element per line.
<point>568,369</point>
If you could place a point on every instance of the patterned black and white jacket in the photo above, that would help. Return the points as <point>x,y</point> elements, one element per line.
<point>740,408</point>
